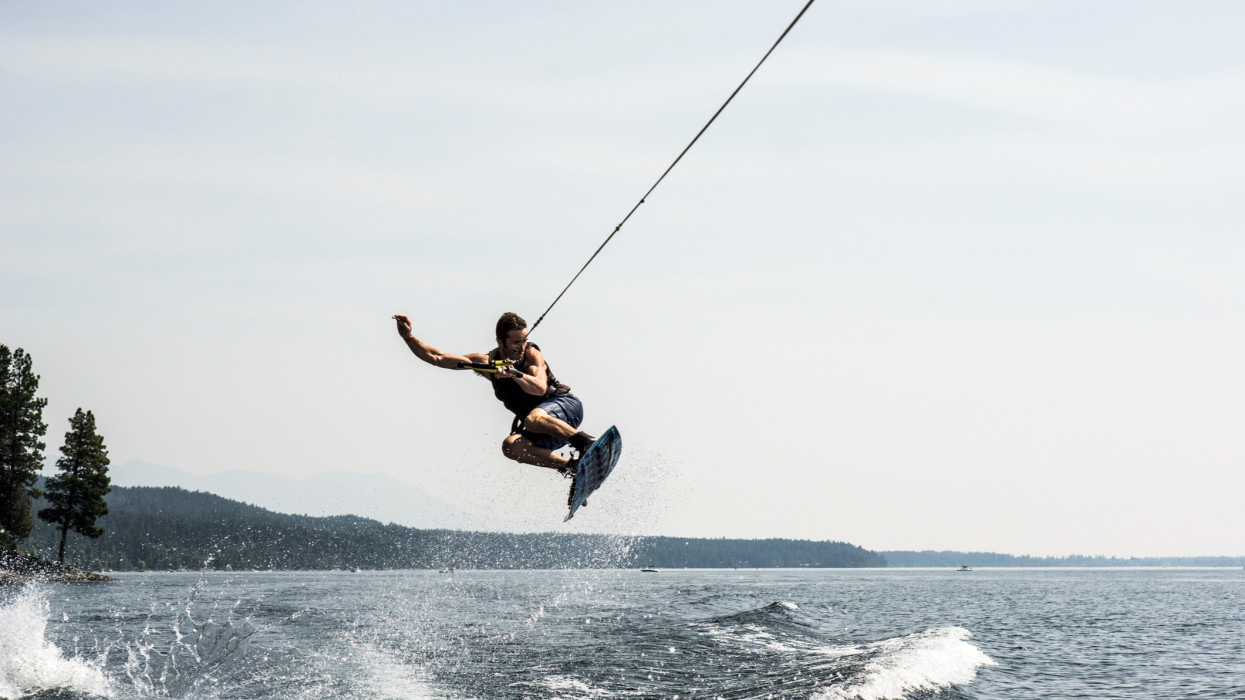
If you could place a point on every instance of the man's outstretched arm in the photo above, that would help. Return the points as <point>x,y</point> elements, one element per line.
<point>429,354</point>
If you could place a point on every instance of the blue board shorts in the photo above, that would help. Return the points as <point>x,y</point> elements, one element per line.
<point>566,408</point>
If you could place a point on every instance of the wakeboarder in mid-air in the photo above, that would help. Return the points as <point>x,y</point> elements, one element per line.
<point>547,414</point>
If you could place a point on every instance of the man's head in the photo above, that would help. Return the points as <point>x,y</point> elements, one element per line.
<point>511,333</point>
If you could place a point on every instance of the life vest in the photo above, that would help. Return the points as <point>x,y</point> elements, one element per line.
<point>512,396</point>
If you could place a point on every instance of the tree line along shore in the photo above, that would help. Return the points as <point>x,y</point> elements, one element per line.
<point>168,528</point>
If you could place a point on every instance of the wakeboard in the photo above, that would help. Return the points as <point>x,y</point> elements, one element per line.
<point>595,465</point>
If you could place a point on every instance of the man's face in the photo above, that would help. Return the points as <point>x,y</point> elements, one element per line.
<point>512,346</point>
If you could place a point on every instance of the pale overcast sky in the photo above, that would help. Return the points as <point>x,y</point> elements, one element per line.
<point>950,275</point>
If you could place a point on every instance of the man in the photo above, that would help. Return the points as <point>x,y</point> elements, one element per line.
<point>547,414</point>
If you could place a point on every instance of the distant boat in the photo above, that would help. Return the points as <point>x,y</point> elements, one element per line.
<point>964,567</point>
<point>448,570</point>
<point>355,569</point>
<point>649,569</point>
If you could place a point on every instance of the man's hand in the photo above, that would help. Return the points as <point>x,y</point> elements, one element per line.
<point>404,325</point>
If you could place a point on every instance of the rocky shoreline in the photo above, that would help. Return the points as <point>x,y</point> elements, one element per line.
<point>18,567</point>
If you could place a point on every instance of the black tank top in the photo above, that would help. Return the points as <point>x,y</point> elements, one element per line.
<point>513,397</point>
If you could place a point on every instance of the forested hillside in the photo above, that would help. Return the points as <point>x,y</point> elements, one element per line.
<point>170,528</point>
<point>983,559</point>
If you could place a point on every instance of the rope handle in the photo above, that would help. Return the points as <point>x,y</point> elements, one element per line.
<point>491,367</point>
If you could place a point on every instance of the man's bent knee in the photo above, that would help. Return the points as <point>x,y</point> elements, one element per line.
<point>510,447</point>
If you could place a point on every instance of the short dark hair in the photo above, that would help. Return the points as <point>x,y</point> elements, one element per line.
<point>509,321</point>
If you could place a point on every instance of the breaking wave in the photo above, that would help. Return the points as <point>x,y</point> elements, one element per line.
<point>30,663</point>
<point>776,649</point>
<point>893,668</point>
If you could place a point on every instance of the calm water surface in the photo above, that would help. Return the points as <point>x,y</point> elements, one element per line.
<point>1004,633</point>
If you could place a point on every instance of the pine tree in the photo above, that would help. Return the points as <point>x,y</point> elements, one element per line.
<point>21,451</point>
<point>77,491</point>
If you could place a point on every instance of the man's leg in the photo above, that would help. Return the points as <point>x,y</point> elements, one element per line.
<point>539,421</point>
<point>521,450</point>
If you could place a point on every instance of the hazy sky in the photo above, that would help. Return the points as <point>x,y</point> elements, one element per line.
<point>951,275</point>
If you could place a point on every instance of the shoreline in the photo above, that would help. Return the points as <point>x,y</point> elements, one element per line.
<point>672,569</point>
<point>17,567</point>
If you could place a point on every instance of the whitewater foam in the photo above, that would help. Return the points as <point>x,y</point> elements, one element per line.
<point>562,684</point>
<point>385,676</point>
<point>929,660</point>
<point>29,663</point>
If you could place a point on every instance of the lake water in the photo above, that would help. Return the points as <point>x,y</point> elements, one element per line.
<point>1003,633</point>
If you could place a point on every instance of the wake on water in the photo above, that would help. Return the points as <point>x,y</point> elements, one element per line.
<point>770,651</point>
<point>893,668</point>
<point>29,663</point>
<point>169,662</point>
<point>798,658</point>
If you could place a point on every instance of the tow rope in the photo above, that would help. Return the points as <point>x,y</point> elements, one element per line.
<point>676,162</point>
